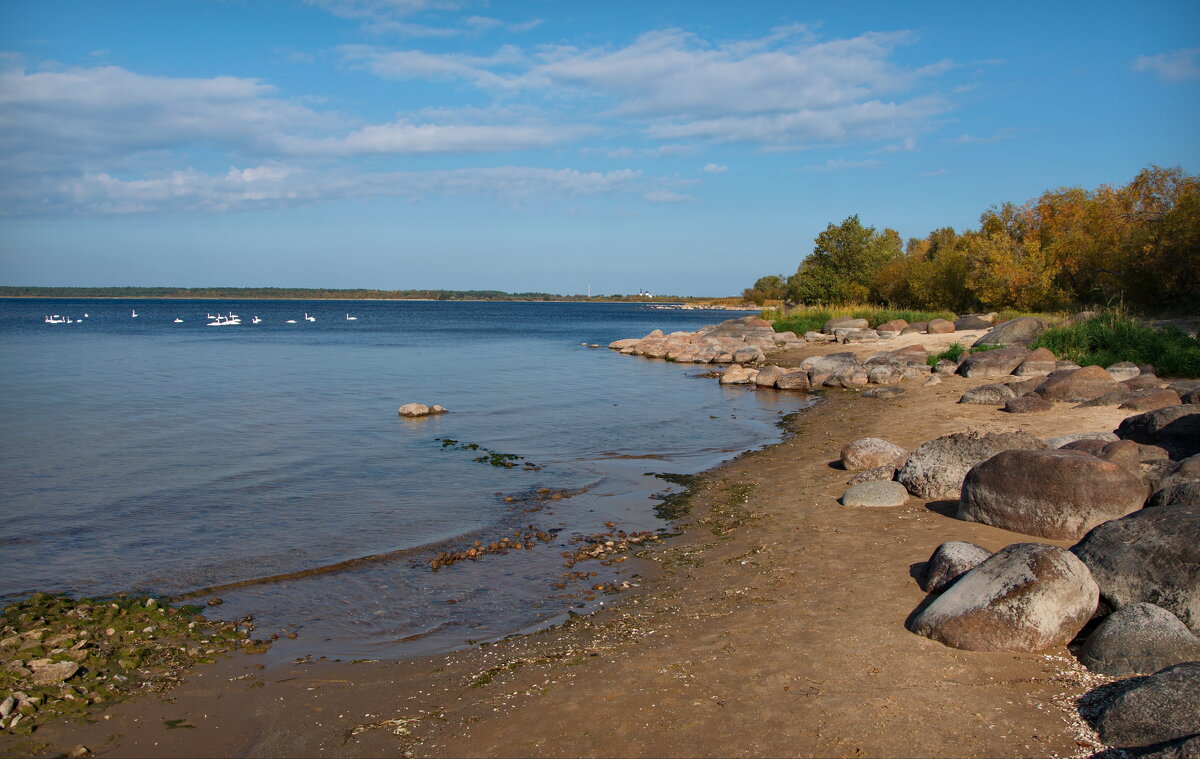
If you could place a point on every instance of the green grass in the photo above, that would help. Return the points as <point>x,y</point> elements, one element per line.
<point>952,353</point>
<point>803,320</point>
<point>1112,337</point>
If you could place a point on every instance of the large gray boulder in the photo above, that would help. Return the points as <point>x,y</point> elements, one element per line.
<point>1139,639</point>
<point>1175,428</point>
<point>948,562</point>
<point>793,380</point>
<point>1152,556</point>
<point>1124,370</point>
<point>1027,404</point>
<point>1075,385</point>
<point>1151,399</point>
<point>936,469</point>
<point>1015,332</point>
<point>1058,494</point>
<point>1178,494</point>
<point>1025,597</point>
<point>1158,710</point>
<point>872,452</point>
<point>768,375</point>
<point>1000,362</point>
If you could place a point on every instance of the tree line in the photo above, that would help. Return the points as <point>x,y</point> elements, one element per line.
<point>1137,245</point>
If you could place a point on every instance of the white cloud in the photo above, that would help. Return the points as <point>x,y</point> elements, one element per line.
<point>714,168</point>
<point>667,196</point>
<point>971,139</point>
<point>270,186</point>
<point>907,145</point>
<point>659,151</point>
<point>397,17</point>
<point>838,164</point>
<point>937,173</point>
<point>405,137</point>
<point>1175,66</point>
<point>784,88</point>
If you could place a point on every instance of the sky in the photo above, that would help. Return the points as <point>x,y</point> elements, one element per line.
<point>551,145</point>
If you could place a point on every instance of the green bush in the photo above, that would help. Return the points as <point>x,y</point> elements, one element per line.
<point>1112,337</point>
<point>952,352</point>
<point>801,320</point>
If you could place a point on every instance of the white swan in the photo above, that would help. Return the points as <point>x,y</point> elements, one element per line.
<point>308,318</point>
<point>350,318</point>
<point>291,321</point>
<point>133,314</point>
<point>178,320</point>
<point>255,320</point>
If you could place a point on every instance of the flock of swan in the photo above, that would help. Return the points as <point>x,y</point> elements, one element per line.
<point>214,320</point>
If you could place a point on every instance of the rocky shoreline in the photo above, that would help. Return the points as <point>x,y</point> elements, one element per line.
<point>784,614</point>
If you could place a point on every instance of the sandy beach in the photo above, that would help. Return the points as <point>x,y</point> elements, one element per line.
<point>774,625</point>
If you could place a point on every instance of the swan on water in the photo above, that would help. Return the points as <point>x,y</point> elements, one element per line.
<point>255,320</point>
<point>350,318</point>
<point>308,318</point>
<point>178,320</point>
<point>133,314</point>
<point>291,321</point>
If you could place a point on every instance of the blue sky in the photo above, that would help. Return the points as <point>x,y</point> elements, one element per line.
<point>681,147</point>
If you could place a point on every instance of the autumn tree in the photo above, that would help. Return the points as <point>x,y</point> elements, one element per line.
<point>845,260</point>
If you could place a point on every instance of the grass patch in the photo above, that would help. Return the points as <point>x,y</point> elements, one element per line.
<point>1113,337</point>
<point>951,353</point>
<point>811,319</point>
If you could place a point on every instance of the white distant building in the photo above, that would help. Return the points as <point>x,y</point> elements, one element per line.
<point>646,294</point>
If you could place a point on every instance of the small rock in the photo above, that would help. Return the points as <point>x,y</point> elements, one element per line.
<point>414,409</point>
<point>46,672</point>
<point>738,375</point>
<point>79,751</point>
<point>793,380</point>
<point>934,379</point>
<point>945,366</point>
<point>875,494</point>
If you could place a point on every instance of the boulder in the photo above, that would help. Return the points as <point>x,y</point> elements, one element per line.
<point>876,494</point>
<point>749,355</point>
<point>768,375</point>
<point>1157,710</point>
<point>1058,494</point>
<point>884,374</point>
<point>1025,387</point>
<point>890,391</point>
<point>1149,399</point>
<point>817,337</point>
<point>1178,494</point>
<point>857,335</point>
<point>847,375</point>
<point>987,395</point>
<point>1192,396</point>
<point>628,342</point>
<point>1061,440</point>
<point>1017,331</point>
<point>1025,597</point>
<point>872,452</point>
<point>1074,385</point>
<point>844,322</point>
<point>1125,453</point>
<point>936,469</point>
<point>1000,362</point>
<point>1027,404</point>
<point>908,355</point>
<point>873,475</point>
<point>915,328</point>
<point>1090,445</point>
<point>793,380</point>
<point>949,562</point>
<point>821,368</point>
<point>1175,428</point>
<point>785,337</point>
<point>738,375</point>
<point>945,366</point>
<point>1124,370</point>
<point>1144,381</point>
<point>47,672</point>
<point>420,409</point>
<point>895,325</point>
<point>1115,398</point>
<point>939,327</point>
<point>1039,363</point>
<point>1139,639</point>
<point>970,321</point>
<point>1152,556</point>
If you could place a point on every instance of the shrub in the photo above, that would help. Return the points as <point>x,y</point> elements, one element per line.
<point>1111,337</point>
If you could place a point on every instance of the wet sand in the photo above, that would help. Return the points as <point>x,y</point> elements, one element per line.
<point>773,626</point>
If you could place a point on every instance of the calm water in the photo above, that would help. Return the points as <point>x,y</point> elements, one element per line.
<point>145,455</point>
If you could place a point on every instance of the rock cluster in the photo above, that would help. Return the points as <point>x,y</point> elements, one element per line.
<point>412,410</point>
